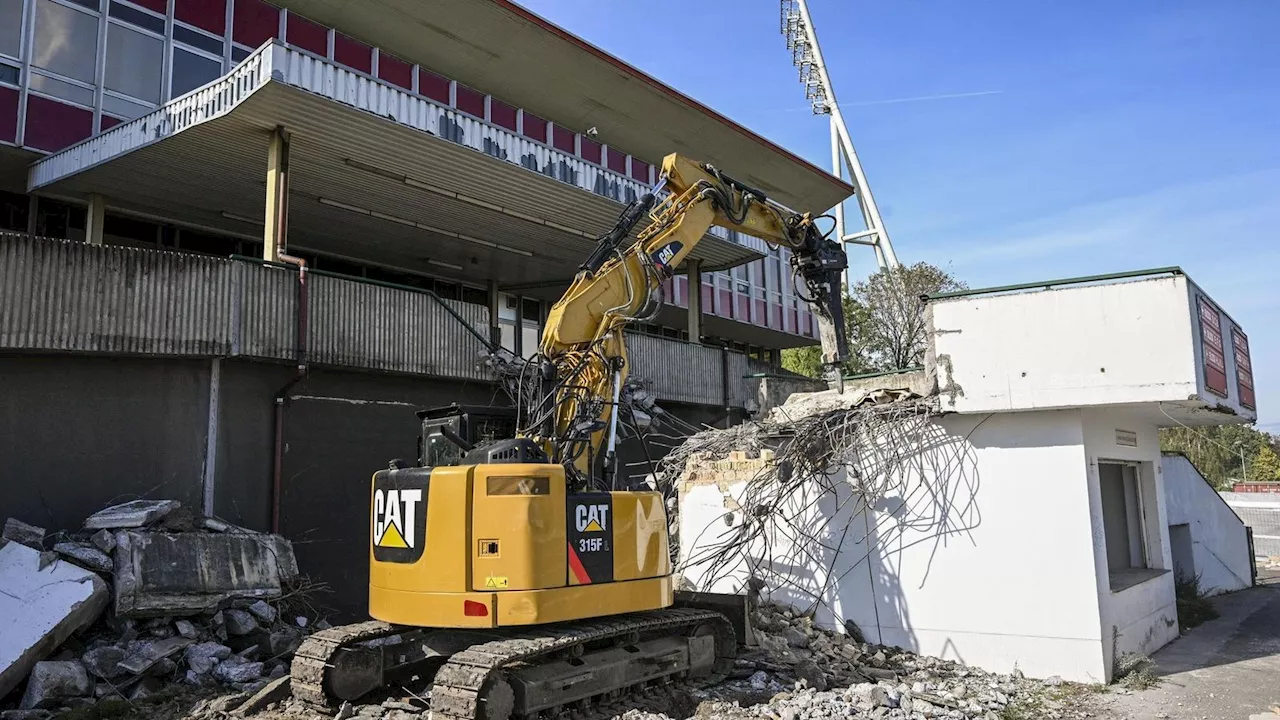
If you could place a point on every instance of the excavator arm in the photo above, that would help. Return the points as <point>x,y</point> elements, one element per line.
<point>584,359</point>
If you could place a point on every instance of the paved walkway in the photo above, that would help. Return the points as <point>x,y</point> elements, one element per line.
<point>1226,669</point>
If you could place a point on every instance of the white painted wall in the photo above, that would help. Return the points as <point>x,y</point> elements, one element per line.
<point>1074,346</point>
<point>1141,618</point>
<point>998,572</point>
<point>1219,541</point>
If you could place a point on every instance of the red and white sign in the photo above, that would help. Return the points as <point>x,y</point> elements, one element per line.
<point>1244,369</point>
<point>1215,362</point>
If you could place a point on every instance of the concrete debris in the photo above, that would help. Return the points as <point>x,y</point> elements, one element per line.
<point>203,657</point>
<point>179,581</point>
<point>186,629</point>
<point>104,662</point>
<point>20,532</point>
<point>151,653</point>
<point>135,514</point>
<point>104,540</point>
<point>40,608</point>
<point>264,612</point>
<point>53,682</point>
<point>237,670</point>
<point>153,577</point>
<point>85,555</point>
<point>238,622</point>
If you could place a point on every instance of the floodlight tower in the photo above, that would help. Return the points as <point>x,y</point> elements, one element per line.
<point>802,41</point>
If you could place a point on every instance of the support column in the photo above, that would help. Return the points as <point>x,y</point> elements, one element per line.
<point>495,329</point>
<point>94,218</point>
<point>276,220</point>
<point>211,437</point>
<point>693,269</point>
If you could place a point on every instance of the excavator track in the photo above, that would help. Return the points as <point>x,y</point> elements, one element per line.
<point>472,684</point>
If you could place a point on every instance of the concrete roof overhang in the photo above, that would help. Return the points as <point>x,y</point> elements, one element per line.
<point>503,49</point>
<point>371,177</point>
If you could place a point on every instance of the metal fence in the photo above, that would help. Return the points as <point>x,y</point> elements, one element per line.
<point>60,295</point>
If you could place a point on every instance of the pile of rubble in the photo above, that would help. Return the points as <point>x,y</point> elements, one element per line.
<point>799,671</point>
<point>147,596</point>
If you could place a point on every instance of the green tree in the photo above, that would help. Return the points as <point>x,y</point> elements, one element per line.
<point>892,330</point>
<point>884,321</point>
<point>1265,466</point>
<point>1220,452</point>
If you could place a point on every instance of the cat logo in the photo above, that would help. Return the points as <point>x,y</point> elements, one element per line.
<point>665,254</point>
<point>592,518</point>
<point>394,516</point>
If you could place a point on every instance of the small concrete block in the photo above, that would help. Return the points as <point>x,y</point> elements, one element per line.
<point>263,611</point>
<point>135,514</point>
<point>187,629</point>
<point>105,540</point>
<point>274,691</point>
<point>86,556</point>
<point>233,670</point>
<point>238,622</point>
<point>51,683</point>
<point>40,608</point>
<point>202,657</point>
<point>20,532</point>
<point>104,662</point>
<point>286,641</point>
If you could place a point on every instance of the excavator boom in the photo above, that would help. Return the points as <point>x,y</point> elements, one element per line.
<point>621,283</point>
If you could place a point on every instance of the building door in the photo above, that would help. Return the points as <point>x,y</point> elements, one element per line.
<point>1121,516</point>
<point>1184,565</point>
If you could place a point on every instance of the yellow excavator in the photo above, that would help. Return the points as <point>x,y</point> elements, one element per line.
<point>522,572</point>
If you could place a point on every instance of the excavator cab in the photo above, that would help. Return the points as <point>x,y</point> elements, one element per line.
<point>451,431</point>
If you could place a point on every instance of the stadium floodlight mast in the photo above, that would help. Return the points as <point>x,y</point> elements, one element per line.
<point>802,41</point>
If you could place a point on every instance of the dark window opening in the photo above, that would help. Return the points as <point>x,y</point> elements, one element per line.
<point>14,211</point>
<point>475,296</point>
<point>59,220</point>
<point>208,244</point>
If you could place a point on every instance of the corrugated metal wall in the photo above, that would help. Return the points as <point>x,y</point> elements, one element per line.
<point>680,371</point>
<point>68,296</point>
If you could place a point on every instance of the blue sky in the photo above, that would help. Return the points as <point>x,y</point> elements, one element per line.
<point>1091,136</point>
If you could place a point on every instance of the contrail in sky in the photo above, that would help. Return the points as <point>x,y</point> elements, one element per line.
<point>922,98</point>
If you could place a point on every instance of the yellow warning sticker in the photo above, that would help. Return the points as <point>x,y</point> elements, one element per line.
<point>499,582</point>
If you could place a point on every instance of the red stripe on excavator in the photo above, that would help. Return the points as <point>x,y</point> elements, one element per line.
<point>575,564</point>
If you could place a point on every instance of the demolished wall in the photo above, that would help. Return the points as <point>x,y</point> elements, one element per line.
<point>963,537</point>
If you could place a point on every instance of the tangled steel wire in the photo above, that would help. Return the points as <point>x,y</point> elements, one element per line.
<point>841,485</point>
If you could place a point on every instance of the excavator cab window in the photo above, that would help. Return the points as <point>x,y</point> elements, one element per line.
<point>449,432</point>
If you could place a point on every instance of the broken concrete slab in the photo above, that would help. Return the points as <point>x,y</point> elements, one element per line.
<point>20,532</point>
<point>164,574</point>
<point>40,608</point>
<point>151,653</point>
<point>52,683</point>
<point>86,556</point>
<point>135,514</point>
<point>273,692</point>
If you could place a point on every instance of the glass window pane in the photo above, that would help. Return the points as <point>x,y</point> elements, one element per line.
<point>197,39</point>
<point>191,71</point>
<point>64,90</point>
<point>66,41</point>
<point>134,63</point>
<point>137,17</point>
<point>122,108</point>
<point>238,54</point>
<point>530,336</point>
<point>10,74</point>
<point>10,27</point>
